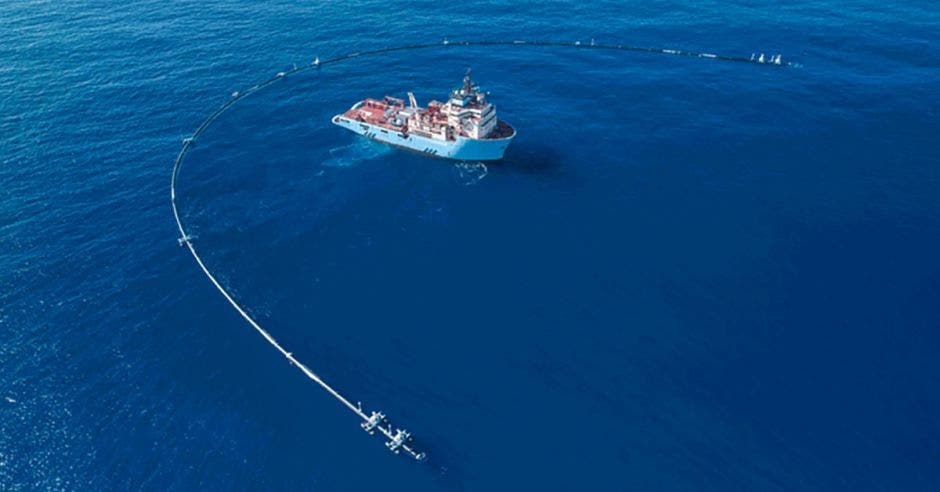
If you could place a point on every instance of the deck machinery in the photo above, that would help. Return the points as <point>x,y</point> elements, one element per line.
<point>464,128</point>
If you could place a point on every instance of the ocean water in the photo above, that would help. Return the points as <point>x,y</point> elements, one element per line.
<point>686,274</point>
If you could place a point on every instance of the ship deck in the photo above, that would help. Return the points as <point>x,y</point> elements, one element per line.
<point>372,112</point>
<point>375,112</point>
<point>502,130</point>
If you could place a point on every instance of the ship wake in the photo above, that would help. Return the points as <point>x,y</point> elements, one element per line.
<point>354,154</point>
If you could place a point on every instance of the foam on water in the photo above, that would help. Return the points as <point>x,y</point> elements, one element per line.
<point>359,151</point>
<point>470,173</point>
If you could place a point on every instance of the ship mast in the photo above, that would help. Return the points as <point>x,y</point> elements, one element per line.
<point>467,83</point>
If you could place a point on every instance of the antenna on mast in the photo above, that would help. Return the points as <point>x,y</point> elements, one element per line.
<point>467,83</point>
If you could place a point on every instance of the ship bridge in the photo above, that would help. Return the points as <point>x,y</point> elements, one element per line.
<point>468,111</point>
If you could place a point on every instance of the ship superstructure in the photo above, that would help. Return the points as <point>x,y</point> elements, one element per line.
<point>464,128</point>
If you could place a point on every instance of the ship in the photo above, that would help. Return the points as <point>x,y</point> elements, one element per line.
<point>464,128</point>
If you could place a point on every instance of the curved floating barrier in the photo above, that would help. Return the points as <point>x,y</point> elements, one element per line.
<point>398,439</point>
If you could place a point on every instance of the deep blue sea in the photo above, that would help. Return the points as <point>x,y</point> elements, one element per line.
<point>686,274</point>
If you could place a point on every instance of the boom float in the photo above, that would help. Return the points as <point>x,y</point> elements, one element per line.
<point>398,439</point>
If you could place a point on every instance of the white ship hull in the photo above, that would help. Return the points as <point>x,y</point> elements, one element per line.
<point>461,148</point>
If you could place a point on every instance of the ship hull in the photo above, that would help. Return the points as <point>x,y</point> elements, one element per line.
<point>464,149</point>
